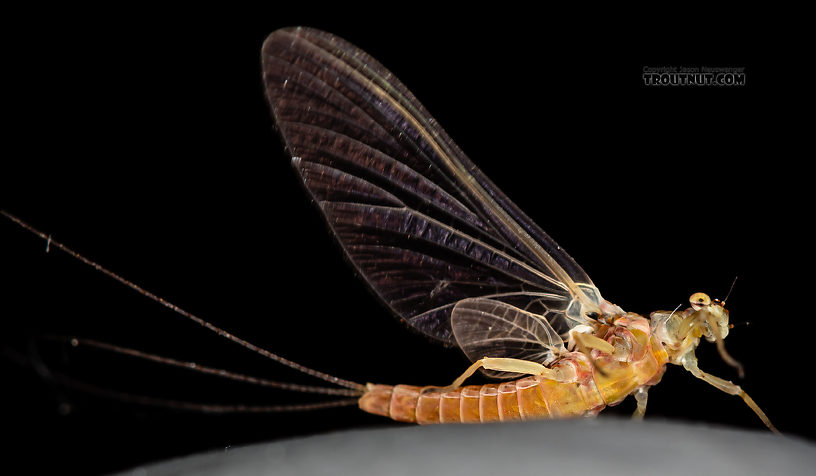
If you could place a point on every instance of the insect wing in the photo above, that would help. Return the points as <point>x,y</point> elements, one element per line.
<point>424,227</point>
<point>489,328</point>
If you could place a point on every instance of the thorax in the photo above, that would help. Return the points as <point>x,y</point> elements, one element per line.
<point>639,358</point>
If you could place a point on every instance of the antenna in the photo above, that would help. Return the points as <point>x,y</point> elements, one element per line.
<point>730,289</point>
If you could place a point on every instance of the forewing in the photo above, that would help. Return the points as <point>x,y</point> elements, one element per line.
<point>424,227</point>
<point>489,328</point>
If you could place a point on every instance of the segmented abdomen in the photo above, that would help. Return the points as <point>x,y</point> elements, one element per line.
<point>523,399</point>
<point>533,397</point>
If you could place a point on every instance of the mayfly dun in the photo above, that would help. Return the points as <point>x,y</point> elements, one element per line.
<point>453,258</point>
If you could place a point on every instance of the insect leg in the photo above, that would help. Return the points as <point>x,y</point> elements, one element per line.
<point>505,365</point>
<point>690,364</point>
<point>585,342</point>
<point>641,396</point>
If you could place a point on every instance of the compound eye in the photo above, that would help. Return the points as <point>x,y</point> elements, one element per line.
<point>699,301</point>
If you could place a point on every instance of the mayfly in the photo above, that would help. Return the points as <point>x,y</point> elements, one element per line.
<point>454,259</point>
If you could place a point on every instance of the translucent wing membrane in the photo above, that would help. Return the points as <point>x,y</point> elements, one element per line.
<point>424,227</point>
<point>490,328</point>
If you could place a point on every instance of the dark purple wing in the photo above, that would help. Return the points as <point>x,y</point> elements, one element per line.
<point>424,227</point>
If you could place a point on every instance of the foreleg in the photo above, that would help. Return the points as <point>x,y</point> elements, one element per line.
<point>690,364</point>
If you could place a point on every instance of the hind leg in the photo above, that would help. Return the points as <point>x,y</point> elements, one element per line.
<point>505,365</point>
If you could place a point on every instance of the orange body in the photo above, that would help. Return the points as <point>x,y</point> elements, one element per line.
<point>639,360</point>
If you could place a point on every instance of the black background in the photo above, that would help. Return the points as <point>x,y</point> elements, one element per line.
<point>141,138</point>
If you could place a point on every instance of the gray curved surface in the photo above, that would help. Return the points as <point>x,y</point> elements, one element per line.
<point>605,446</point>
